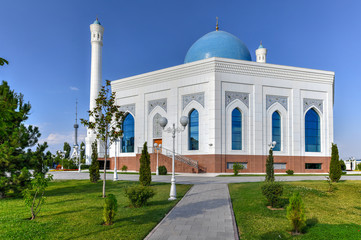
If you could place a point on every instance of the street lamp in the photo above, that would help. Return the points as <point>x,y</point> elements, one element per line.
<point>62,156</point>
<point>272,144</point>
<point>163,122</point>
<point>81,149</point>
<point>157,148</point>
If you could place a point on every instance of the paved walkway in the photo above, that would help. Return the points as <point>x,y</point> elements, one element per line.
<point>203,213</point>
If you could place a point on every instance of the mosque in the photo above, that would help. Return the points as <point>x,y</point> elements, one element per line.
<point>236,108</point>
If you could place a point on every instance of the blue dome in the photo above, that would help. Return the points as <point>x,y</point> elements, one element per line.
<point>96,22</point>
<point>218,44</point>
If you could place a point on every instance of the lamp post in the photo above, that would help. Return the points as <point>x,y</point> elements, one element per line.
<point>272,144</point>
<point>157,148</point>
<point>163,122</point>
<point>62,155</point>
<point>81,149</point>
<point>115,178</point>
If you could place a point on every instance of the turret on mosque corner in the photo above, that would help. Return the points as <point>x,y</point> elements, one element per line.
<point>97,31</point>
<point>261,54</point>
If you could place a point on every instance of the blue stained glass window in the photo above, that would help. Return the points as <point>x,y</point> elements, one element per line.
<point>193,130</point>
<point>236,130</point>
<point>128,134</point>
<point>312,131</point>
<point>276,130</point>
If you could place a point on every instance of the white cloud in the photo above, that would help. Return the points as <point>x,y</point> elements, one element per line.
<point>74,88</point>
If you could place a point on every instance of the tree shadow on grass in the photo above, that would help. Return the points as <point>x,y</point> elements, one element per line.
<point>60,213</point>
<point>64,201</point>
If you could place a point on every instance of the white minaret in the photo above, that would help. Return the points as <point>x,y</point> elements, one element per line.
<point>96,31</point>
<point>261,54</point>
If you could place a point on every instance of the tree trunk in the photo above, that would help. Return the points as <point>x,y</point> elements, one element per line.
<point>105,166</point>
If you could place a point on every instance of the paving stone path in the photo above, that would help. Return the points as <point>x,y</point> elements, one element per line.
<point>203,213</point>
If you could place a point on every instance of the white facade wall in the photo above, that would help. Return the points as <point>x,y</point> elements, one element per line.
<point>248,84</point>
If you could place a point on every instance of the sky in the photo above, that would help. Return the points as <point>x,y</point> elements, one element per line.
<point>47,44</point>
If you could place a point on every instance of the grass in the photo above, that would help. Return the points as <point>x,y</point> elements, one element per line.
<point>335,215</point>
<point>74,208</point>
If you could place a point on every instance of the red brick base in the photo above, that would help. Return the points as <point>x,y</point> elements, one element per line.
<point>218,163</point>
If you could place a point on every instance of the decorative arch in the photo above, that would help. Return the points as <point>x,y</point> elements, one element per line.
<point>157,129</point>
<point>312,131</point>
<point>194,105</point>
<point>244,133</point>
<point>277,127</point>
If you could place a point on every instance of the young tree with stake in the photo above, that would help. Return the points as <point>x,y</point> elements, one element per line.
<point>104,120</point>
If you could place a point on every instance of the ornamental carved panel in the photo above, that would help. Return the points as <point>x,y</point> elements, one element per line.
<point>271,99</point>
<point>158,102</point>
<point>231,96</point>
<point>308,102</point>
<point>198,97</point>
<point>130,108</point>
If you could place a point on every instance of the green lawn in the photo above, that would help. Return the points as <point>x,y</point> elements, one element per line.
<point>334,215</point>
<point>73,210</point>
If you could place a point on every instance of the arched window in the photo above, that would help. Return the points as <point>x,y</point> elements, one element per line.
<point>276,130</point>
<point>312,131</point>
<point>193,130</point>
<point>128,134</point>
<point>236,130</point>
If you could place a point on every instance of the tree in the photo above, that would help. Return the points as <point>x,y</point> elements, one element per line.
<point>335,167</point>
<point>94,174</point>
<point>270,172</point>
<point>15,137</point>
<point>145,175</point>
<point>82,152</point>
<point>34,196</point>
<point>67,150</point>
<point>104,120</point>
<point>3,61</point>
<point>296,213</point>
<point>49,159</point>
<point>39,159</point>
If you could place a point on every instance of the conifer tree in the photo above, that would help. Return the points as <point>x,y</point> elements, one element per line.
<point>335,167</point>
<point>145,176</point>
<point>94,174</point>
<point>270,173</point>
<point>296,213</point>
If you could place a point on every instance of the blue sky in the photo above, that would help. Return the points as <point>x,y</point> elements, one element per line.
<point>48,46</point>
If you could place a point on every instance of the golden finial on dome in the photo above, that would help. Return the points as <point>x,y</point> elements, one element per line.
<point>217,24</point>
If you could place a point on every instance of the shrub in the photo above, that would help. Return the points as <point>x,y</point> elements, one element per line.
<point>139,195</point>
<point>236,168</point>
<point>335,167</point>
<point>162,170</point>
<point>296,213</point>
<point>343,165</point>
<point>145,175</point>
<point>270,172</point>
<point>83,166</point>
<point>110,209</point>
<point>124,168</point>
<point>94,174</point>
<point>273,191</point>
<point>290,172</point>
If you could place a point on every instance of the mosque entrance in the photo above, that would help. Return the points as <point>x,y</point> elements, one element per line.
<point>158,142</point>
